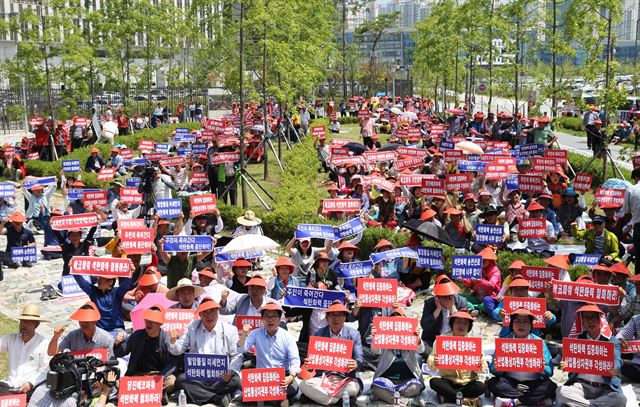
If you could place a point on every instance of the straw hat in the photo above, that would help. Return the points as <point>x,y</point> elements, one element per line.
<point>31,312</point>
<point>249,219</point>
<point>172,294</point>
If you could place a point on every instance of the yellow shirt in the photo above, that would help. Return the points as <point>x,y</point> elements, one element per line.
<point>112,247</point>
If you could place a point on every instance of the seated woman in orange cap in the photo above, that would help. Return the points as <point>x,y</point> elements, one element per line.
<point>17,236</point>
<point>517,388</point>
<point>540,245</point>
<point>451,382</point>
<point>484,289</point>
<point>582,389</point>
<point>240,275</point>
<point>283,278</point>
<point>398,370</point>
<point>458,228</point>
<point>438,309</point>
<point>387,268</point>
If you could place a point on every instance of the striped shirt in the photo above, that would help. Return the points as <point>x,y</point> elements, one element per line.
<point>631,332</point>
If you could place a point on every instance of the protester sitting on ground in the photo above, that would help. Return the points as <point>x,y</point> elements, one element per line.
<point>186,294</point>
<point>240,275</point>
<point>438,309</point>
<point>484,289</point>
<point>282,278</point>
<point>630,332</point>
<point>540,245</point>
<point>414,277</point>
<point>598,240</point>
<point>17,236</point>
<point>391,268</point>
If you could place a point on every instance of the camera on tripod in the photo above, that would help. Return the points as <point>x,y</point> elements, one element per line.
<point>147,177</point>
<point>69,375</point>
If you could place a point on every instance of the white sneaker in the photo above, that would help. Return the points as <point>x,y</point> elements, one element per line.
<point>503,402</point>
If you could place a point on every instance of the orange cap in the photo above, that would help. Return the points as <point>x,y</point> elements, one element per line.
<point>535,206</point>
<point>240,263</point>
<point>463,313</point>
<point>517,264</point>
<point>346,245</point>
<point>590,308</point>
<point>620,268</point>
<point>87,313</point>
<point>256,281</point>
<point>285,262</point>
<point>37,188</point>
<point>519,281</point>
<point>488,254</point>
<point>428,214</point>
<point>336,306</point>
<point>522,311</point>
<point>149,279</point>
<point>559,260</point>
<point>453,211</point>
<point>271,306</point>
<point>206,304</point>
<point>382,243</point>
<point>154,314</point>
<point>17,217</point>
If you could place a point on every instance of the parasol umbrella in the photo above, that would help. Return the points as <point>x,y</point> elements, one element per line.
<point>258,127</point>
<point>616,183</point>
<point>469,147</point>
<point>147,302</point>
<point>454,111</point>
<point>390,147</point>
<point>395,110</point>
<point>429,230</point>
<point>246,243</point>
<point>410,115</point>
<point>356,148</point>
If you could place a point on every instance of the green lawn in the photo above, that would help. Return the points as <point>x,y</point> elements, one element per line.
<point>7,326</point>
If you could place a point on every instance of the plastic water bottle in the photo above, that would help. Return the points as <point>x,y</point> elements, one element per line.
<point>396,398</point>
<point>459,398</point>
<point>182,399</point>
<point>345,399</point>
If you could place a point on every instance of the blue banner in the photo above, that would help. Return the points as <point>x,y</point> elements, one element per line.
<point>350,228</point>
<point>26,253</point>
<point>317,231</point>
<point>446,145</point>
<point>586,259</point>
<point>489,234</point>
<point>495,151</point>
<point>184,138</point>
<point>473,157</point>
<point>199,148</point>
<point>7,190</point>
<point>471,166</point>
<point>71,165</point>
<point>204,367</point>
<point>184,151</point>
<point>70,287</point>
<point>528,150</point>
<point>430,257</point>
<point>169,208</point>
<point>354,269</point>
<point>136,161</point>
<point>182,130</point>
<point>132,182</point>
<point>163,147</point>
<point>78,193</point>
<point>311,297</point>
<point>512,182</point>
<point>183,243</point>
<point>393,254</point>
<point>229,257</point>
<point>28,183</point>
<point>466,267</point>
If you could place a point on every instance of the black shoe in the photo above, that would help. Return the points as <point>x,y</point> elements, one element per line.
<point>52,293</point>
<point>45,294</point>
<point>165,399</point>
<point>25,263</point>
<point>1,272</point>
<point>13,265</point>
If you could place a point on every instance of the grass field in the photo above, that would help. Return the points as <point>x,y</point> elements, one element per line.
<point>7,326</point>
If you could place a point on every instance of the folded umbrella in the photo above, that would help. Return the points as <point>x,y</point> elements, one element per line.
<point>429,230</point>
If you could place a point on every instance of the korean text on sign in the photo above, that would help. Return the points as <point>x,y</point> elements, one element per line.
<point>262,385</point>
<point>329,354</point>
<point>395,333</point>
<point>377,292</point>
<point>588,356</point>
<point>140,391</point>
<point>459,352</point>
<point>519,355</point>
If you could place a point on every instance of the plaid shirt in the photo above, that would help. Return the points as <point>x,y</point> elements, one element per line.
<point>631,332</point>
<point>629,308</point>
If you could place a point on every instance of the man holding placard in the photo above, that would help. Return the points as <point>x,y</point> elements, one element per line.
<point>209,336</point>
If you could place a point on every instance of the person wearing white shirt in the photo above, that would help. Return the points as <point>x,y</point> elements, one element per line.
<point>631,209</point>
<point>36,195</point>
<point>27,352</point>
<point>541,245</point>
<point>209,336</point>
<point>109,130</point>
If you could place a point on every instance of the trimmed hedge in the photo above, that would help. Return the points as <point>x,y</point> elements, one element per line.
<point>571,123</point>
<point>40,168</point>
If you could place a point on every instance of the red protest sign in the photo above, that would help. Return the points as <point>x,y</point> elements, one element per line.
<point>432,186</point>
<point>208,135</point>
<point>146,145</point>
<point>95,198</point>
<point>131,224</point>
<point>632,347</point>
<point>636,162</point>
<point>538,277</point>
<point>201,204</point>
<point>452,156</point>
<point>100,266</point>
<point>585,292</point>
<point>537,306</point>
<point>532,228</point>
<point>80,121</point>
<point>262,385</point>
<point>610,195</point>
<point>253,321</point>
<point>329,354</point>
<point>14,400</point>
<point>582,182</point>
<point>341,205</point>
<point>408,163</point>
<point>84,220</point>
<point>559,155</point>
<point>588,356</point>
<point>339,151</point>
<point>140,391</point>
<point>199,178</point>
<point>100,354</point>
<point>172,161</point>
<point>412,152</point>
<point>402,133</point>
<point>130,195</point>
<point>363,114</point>
<point>496,171</point>
<point>458,182</point>
<point>519,355</point>
<point>377,292</point>
<point>383,184</point>
<point>106,174</point>
<point>414,180</point>
<point>530,183</point>
<point>178,319</point>
<point>219,158</point>
<point>36,121</point>
<point>395,333</point>
<point>377,156</point>
<point>339,141</point>
<point>318,131</point>
<point>126,153</point>
<point>459,352</point>
<point>154,156</point>
<point>136,241</point>
<point>544,164</point>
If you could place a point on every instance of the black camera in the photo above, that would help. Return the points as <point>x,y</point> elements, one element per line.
<point>69,375</point>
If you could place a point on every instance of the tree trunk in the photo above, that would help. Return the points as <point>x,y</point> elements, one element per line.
<point>554,63</point>
<point>344,49</point>
<point>490,56</point>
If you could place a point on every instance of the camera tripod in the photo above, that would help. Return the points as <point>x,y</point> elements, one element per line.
<point>267,140</point>
<point>242,173</point>
<point>604,153</point>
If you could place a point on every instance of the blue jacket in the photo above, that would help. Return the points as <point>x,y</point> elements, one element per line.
<point>613,382</point>
<point>551,217</point>
<point>348,333</point>
<point>109,304</point>
<point>548,366</point>
<point>507,331</point>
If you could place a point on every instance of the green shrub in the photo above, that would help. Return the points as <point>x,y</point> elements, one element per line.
<point>572,123</point>
<point>579,161</point>
<point>372,236</point>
